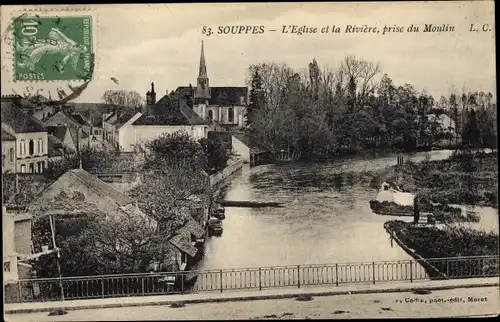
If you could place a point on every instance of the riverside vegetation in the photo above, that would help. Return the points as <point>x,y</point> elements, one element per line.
<point>464,178</point>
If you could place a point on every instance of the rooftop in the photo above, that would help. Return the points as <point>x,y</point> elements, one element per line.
<point>171,111</point>
<point>182,241</point>
<point>222,95</point>
<point>7,137</point>
<point>20,121</point>
<point>100,187</point>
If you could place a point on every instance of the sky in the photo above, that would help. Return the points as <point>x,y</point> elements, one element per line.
<point>140,44</point>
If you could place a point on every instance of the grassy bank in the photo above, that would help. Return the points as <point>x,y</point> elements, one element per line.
<point>442,213</point>
<point>446,242</point>
<point>450,242</point>
<point>461,179</point>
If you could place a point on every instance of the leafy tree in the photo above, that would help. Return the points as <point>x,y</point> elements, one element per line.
<point>471,135</point>
<point>216,154</point>
<point>92,242</point>
<point>174,167</point>
<point>256,97</point>
<point>91,158</point>
<point>130,99</point>
<point>172,149</point>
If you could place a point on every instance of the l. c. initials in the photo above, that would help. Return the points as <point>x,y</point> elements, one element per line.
<point>485,28</point>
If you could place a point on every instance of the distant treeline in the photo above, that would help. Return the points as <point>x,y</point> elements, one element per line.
<point>321,113</point>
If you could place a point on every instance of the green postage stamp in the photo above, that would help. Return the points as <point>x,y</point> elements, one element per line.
<point>53,48</point>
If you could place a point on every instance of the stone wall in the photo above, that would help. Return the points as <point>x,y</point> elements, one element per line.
<point>232,167</point>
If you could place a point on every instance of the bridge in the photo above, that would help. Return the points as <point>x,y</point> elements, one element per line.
<point>257,278</point>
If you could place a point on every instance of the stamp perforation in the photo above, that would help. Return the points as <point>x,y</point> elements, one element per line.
<point>55,10</point>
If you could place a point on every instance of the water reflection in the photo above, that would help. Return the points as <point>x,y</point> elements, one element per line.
<point>326,218</point>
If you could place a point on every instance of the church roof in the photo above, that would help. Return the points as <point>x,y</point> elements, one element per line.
<point>170,111</point>
<point>222,95</point>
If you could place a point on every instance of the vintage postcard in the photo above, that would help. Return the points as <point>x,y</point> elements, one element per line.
<point>249,161</point>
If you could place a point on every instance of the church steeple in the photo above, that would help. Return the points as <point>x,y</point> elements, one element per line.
<point>203,87</point>
<point>203,67</point>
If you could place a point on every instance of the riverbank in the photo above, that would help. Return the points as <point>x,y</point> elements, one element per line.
<point>464,178</point>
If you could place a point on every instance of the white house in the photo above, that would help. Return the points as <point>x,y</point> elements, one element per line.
<point>124,131</point>
<point>446,123</point>
<point>170,114</point>
<point>31,139</point>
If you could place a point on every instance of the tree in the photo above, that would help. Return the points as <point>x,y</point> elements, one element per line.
<point>174,167</point>
<point>130,99</point>
<point>172,149</point>
<point>165,191</point>
<point>216,153</point>
<point>91,159</point>
<point>257,99</point>
<point>92,242</point>
<point>471,135</point>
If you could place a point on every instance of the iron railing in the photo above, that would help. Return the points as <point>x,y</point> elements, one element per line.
<point>103,286</point>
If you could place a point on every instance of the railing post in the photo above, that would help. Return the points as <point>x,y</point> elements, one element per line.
<point>447,268</point>
<point>298,276</point>
<point>373,265</point>
<point>336,274</point>
<point>260,280</point>
<point>221,281</point>
<point>182,282</point>
<point>142,286</point>
<point>102,287</point>
<point>20,290</point>
<point>411,271</point>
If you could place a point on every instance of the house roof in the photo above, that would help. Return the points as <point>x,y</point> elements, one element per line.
<point>64,203</point>
<point>182,241</point>
<point>72,125</point>
<point>7,137</point>
<point>134,210</point>
<point>170,111</point>
<point>124,118</point>
<point>245,139</point>
<point>67,116</point>
<point>79,119</point>
<point>92,112</point>
<point>29,187</point>
<point>223,96</point>
<point>18,120</point>
<point>109,117</point>
<point>194,228</point>
<point>54,146</point>
<point>100,187</point>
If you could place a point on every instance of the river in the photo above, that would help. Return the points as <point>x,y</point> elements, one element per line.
<point>321,222</point>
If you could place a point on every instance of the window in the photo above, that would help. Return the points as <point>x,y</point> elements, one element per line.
<point>21,147</point>
<point>40,166</point>
<point>11,154</point>
<point>32,168</point>
<point>23,168</point>
<point>210,115</point>
<point>31,147</point>
<point>230,115</point>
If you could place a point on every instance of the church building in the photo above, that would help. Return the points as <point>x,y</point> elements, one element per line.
<point>224,105</point>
